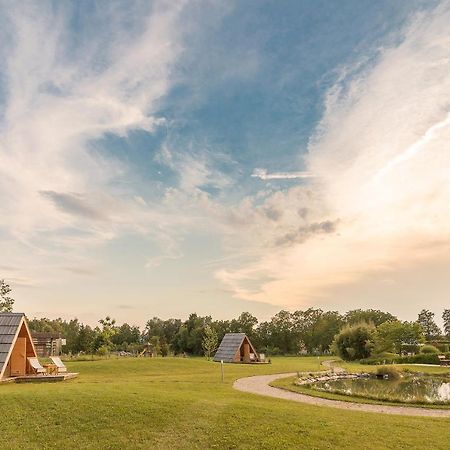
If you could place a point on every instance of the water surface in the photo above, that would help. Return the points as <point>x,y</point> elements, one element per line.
<point>408,389</point>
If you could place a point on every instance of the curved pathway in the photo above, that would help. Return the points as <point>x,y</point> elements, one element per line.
<point>260,385</point>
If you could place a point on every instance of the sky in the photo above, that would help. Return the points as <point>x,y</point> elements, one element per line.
<point>167,157</point>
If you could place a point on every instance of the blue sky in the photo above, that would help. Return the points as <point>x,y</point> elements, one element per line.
<point>159,158</point>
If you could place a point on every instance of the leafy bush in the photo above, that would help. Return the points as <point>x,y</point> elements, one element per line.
<point>426,349</point>
<point>422,358</point>
<point>391,372</point>
<point>380,358</point>
<point>354,341</point>
<point>103,350</point>
<point>443,346</point>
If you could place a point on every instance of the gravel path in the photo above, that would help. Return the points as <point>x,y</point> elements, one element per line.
<point>260,385</point>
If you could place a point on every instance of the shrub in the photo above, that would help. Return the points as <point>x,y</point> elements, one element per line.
<point>103,350</point>
<point>422,358</point>
<point>442,347</point>
<point>354,341</point>
<point>426,349</point>
<point>391,372</point>
<point>380,358</point>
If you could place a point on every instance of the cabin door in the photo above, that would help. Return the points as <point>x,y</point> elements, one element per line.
<point>246,352</point>
<point>19,358</point>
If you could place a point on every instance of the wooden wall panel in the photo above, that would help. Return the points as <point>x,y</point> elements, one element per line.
<point>19,357</point>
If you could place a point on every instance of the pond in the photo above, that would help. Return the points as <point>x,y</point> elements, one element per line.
<point>411,389</point>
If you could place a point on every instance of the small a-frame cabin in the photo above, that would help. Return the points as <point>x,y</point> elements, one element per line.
<point>16,345</point>
<point>237,348</point>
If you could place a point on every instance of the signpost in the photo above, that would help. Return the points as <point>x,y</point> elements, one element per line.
<point>221,369</point>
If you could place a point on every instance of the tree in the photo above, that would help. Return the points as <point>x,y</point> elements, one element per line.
<point>426,320</point>
<point>446,319</point>
<point>355,341</point>
<point>323,332</point>
<point>124,336</point>
<point>282,336</point>
<point>84,341</point>
<point>103,338</point>
<point>374,316</point>
<point>155,345</point>
<point>222,327</point>
<point>164,347</point>
<point>316,329</point>
<point>6,302</point>
<point>391,336</point>
<point>210,341</point>
<point>190,335</point>
<point>303,327</point>
<point>162,328</point>
<point>245,323</point>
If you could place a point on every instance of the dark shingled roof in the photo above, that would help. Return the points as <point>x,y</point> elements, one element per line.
<point>230,344</point>
<point>8,329</point>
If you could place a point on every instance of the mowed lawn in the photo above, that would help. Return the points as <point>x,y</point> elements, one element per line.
<point>177,403</point>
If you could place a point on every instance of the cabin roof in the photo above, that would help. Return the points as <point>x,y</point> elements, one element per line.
<point>230,344</point>
<point>9,322</point>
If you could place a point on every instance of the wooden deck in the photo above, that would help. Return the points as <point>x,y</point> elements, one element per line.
<point>40,378</point>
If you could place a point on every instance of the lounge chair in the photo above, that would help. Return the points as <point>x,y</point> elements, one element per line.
<point>56,360</point>
<point>36,366</point>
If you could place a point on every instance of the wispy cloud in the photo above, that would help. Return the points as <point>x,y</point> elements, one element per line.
<point>59,96</point>
<point>264,175</point>
<point>380,159</point>
<point>373,195</point>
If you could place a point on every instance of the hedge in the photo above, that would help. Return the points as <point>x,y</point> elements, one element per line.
<point>428,358</point>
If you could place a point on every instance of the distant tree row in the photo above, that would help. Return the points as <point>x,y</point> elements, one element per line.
<point>354,335</point>
<point>312,331</point>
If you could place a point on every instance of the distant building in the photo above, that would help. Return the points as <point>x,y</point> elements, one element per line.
<point>48,344</point>
<point>237,348</point>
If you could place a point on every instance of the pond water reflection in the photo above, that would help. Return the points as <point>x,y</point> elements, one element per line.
<point>408,389</point>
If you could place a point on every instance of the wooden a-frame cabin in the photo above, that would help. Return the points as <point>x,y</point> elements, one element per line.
<point>16,345</point>
<point>237,348</point>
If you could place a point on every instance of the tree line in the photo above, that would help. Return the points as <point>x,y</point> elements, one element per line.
<point>310,331</point>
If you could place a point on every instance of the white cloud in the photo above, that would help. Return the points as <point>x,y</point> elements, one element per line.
<point>264,175</point>
<point>195,168</point>
<point>380,156</point>
<point>58,195</point>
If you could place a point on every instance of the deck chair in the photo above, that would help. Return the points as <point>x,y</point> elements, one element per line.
<point>56,360</point>
<point>36,366</point>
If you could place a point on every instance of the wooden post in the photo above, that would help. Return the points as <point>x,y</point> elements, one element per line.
<point>221,369</point>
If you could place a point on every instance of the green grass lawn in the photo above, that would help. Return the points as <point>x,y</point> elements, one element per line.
<point>182,403</point>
